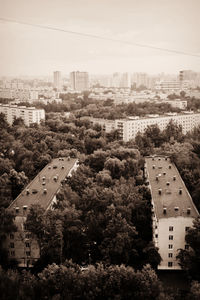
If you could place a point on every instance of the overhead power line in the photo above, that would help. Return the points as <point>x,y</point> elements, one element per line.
<point>99,37</point>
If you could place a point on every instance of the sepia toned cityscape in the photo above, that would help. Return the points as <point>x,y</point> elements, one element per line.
<point>99,150</point>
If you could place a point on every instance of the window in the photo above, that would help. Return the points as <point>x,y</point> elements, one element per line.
<point>28,253</point>
<point>187,228</point>
<point>12,253</point>
<point>12,245</point>
<point>170,246</point>
<point>11,236</point>
<point>186,247</point>
<point>27,245</point>
<point>170,254</point>
<point>171,228</point>
<point>170,237</point>
<point>170,263</point>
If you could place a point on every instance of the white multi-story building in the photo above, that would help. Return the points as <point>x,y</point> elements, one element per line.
<point>28,114</point>
<point>171,85</point>
<point>42,190</point>
<point>129,128</point>
<point>173,209</point>
<point>79,81</point>
<point>177,103</point>
<point>57,80</point>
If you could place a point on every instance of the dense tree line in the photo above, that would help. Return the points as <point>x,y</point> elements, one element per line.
<point>102,219</point>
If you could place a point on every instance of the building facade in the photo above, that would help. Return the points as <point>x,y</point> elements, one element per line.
<point>42,190</point>
<point>129,128</point>
<point>173,209</point>
<point>57,83</point>
<point>28,114</point>
<point>79,81</point>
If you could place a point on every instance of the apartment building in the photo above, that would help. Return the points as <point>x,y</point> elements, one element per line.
<point>171,85</point>
<point>79,81</point>
<point>129,128</point>
<point>42,190</point>
<point>28,114</point>
<point>173,209</point>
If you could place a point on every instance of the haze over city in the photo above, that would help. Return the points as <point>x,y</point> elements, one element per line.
<point>29,50</point>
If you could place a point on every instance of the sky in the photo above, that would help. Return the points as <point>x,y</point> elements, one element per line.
<point>168,24</point>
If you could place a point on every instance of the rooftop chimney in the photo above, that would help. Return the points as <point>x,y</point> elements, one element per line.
<point>160,191</point>
<point>176,208</point>
<point>174,178</point>
<point>180,191</point>
<point>164,210</point>
<point>188,210</point>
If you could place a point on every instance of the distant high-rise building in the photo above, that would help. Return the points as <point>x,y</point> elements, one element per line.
<point>79,81</point>
<point>125,80</point>
<point>57,80</point>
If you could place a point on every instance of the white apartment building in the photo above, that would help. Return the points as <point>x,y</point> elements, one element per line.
<point>171,85</point>
<point>173,209</point>
<point>28,114</point>
<point>79,81</point>
<point>128,128</point>
<point>177,103</point>
<point>42,190</point>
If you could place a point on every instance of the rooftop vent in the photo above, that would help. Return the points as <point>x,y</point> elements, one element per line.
<point>153,166</point>
<point>159,191</point>
<point>152,158</point>
<point>156,178</point>
<point>62,167</point>
<point>43,178</point>
<point>54,167</point>
<point>17,209</point>
<point>160,167</point>
<point>34,191</point>
<point>167,183</point>
<point>180,191</point>
<point>188,210</point>
<point>43,183</point>
<point>27,192</point>
<point>68,158</point>
<point>174,178</point>
<point>55,178</point>
<point>49,167</point>
<point>176,208</point>
<point>164,173</point>
<point>159,158</point>
<point>165,158</point>
<point>25,207</point>
<point>164,210</point>
<point>170,166</point>
<point>44,191</point>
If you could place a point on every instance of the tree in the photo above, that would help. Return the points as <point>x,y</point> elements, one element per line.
<point>189,259</point>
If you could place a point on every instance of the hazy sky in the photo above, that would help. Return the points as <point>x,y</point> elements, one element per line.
<point>171,24</point>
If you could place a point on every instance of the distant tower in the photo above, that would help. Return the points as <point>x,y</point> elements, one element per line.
<point>79,81</point>
<point>57,80</point>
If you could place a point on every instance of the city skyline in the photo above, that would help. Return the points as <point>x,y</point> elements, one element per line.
<point>168,25</point>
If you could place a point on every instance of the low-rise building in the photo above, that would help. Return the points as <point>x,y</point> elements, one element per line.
<point>173,209</point>
<point>42,190</point>
<point>28,114</point>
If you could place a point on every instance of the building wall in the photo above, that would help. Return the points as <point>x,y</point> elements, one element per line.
<point>162,235</point>
<point>129,128</point>
<point>28,114</point>
<point>22,245</point>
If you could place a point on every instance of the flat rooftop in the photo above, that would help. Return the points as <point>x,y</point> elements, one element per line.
<point>169,193</point>
<point>42,189</point>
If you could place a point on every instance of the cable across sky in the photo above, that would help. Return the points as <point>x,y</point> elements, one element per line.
<point>88,35</point>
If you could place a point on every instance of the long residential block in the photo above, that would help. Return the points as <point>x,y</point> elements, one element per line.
<point>173,209</point>
<point>42,190</point>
